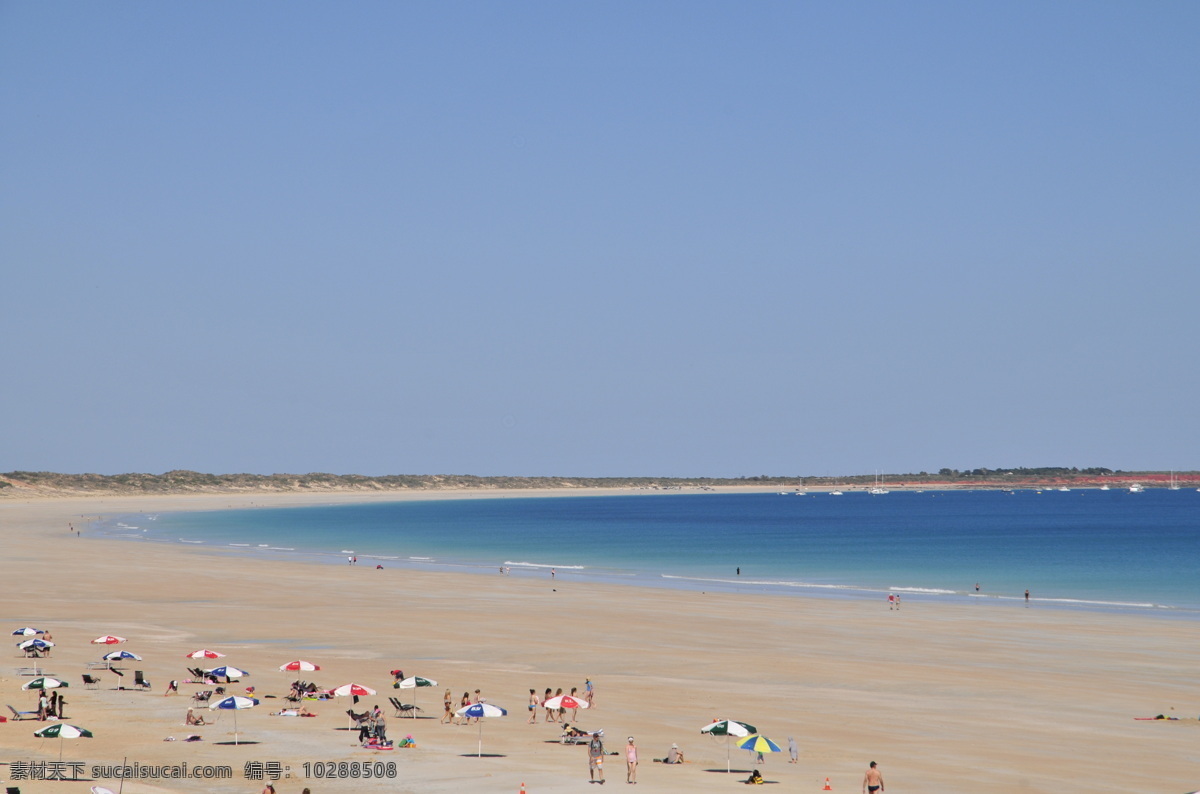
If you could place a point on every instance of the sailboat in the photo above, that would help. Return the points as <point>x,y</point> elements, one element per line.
<point>878,490</point>
<point>1174,483</point>
<point>1136,488</point>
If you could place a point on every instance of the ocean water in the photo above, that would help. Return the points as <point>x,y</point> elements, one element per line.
<point>1083,549</point>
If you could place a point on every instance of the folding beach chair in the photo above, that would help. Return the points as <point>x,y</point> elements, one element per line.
<point>23,715</point>
<point>139,679</point>
<point>90,682</point>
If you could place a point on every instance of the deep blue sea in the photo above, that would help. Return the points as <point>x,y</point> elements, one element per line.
<point>1083,549</point>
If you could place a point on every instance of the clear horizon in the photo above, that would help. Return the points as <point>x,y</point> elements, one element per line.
<point>598,238</point>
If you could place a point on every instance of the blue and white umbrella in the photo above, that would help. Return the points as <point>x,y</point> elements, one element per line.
<point>27,632</point>
<point>37,642</point>
<point>116,656</point>
<point>478,710</point>
<point>228,671</point>
<point>235,703</point>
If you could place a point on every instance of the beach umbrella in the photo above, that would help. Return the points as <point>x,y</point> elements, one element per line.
<point>728,728</point>
<point>227,671</point>
<point>27,632</point>
<point>565,702</point>
<point>413,682</point>
<point>117,656</point>
<point>62,731</point>
<point>36,642</point>
<point>108,639</point>
<point>44,683</point>
<point>758,744</point>
<point>235,703</point>
<point>203,653</point>
<point>478,710</point>
<point>299,664</point>
<point>355,691</point>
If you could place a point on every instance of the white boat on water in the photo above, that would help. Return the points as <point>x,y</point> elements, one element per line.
<point>1065,489</point>
<point>835,493</point>
<point>878,490</point>
<point>1174,486</point>
<point>1105,488</point>
<point>1136,488</point>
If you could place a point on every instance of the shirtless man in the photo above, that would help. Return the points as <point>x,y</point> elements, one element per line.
<point>873,780</point>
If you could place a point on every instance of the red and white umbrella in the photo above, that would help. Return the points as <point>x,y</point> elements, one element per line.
<point>357,690</point>
<point>203,653</point>
<point>108,639</point>
<point>352,690</point>
<point>565,702</point>
<point>299,665</point>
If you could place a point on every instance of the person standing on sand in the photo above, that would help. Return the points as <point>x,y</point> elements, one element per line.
<point>631,762</point>
<point>589,691</point>
<point>1026,597</point>
<point>595,759</point>
<point>447,707</point>
<point>793,750</point>
<point>873,780</point>
<point>891,600</point>
<point>533,706</point>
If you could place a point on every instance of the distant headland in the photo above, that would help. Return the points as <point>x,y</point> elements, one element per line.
<point>26,484</point>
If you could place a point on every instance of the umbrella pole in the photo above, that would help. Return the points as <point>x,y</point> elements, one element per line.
<point>479,753</point>
<point>727,768</point>
<point>235,736</point>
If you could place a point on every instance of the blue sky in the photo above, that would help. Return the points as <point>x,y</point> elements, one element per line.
<point>598,239</point>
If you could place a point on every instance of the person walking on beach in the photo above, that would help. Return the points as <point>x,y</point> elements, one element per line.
<point>549,711</point>
<point>595,759</point>
<point>448,707</point>
<point>533,706</point>
<point>1026,597</point>
<point>873,780</point>
<point>891,600</point>
<point>631,762</point>
<point>589,691</point>
<point>574,712</point>
<point>793,750</point>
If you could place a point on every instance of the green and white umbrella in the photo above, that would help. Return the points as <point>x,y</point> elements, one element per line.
<point>45,682</point>
<point>414,682</point>
<point>728,728</point>
<point>62,731</point>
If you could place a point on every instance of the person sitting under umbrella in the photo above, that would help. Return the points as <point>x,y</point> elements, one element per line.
<point>755,778</point>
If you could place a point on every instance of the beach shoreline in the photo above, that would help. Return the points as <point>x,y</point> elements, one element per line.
<point>938,694</point>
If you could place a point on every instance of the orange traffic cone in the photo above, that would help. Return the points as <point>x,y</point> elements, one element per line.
<point>827,786</point>
<point>522,791</point>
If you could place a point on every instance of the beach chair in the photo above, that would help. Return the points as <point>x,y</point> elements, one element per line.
<point>139,679</point>
<point>23,715</point>
<point>404,709</point>
<point>90,682</point>
<point>576,735</point>
<point>202,697</point>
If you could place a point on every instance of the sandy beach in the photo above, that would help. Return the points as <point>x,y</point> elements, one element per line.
<point>946,698</point>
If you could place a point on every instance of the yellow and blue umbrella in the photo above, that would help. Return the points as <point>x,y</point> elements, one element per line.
<point>758,744</point>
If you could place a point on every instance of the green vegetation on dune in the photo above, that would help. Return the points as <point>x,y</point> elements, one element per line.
<point>180,481</point>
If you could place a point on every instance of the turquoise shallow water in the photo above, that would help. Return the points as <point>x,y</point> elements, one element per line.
<point>1079,549</point>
